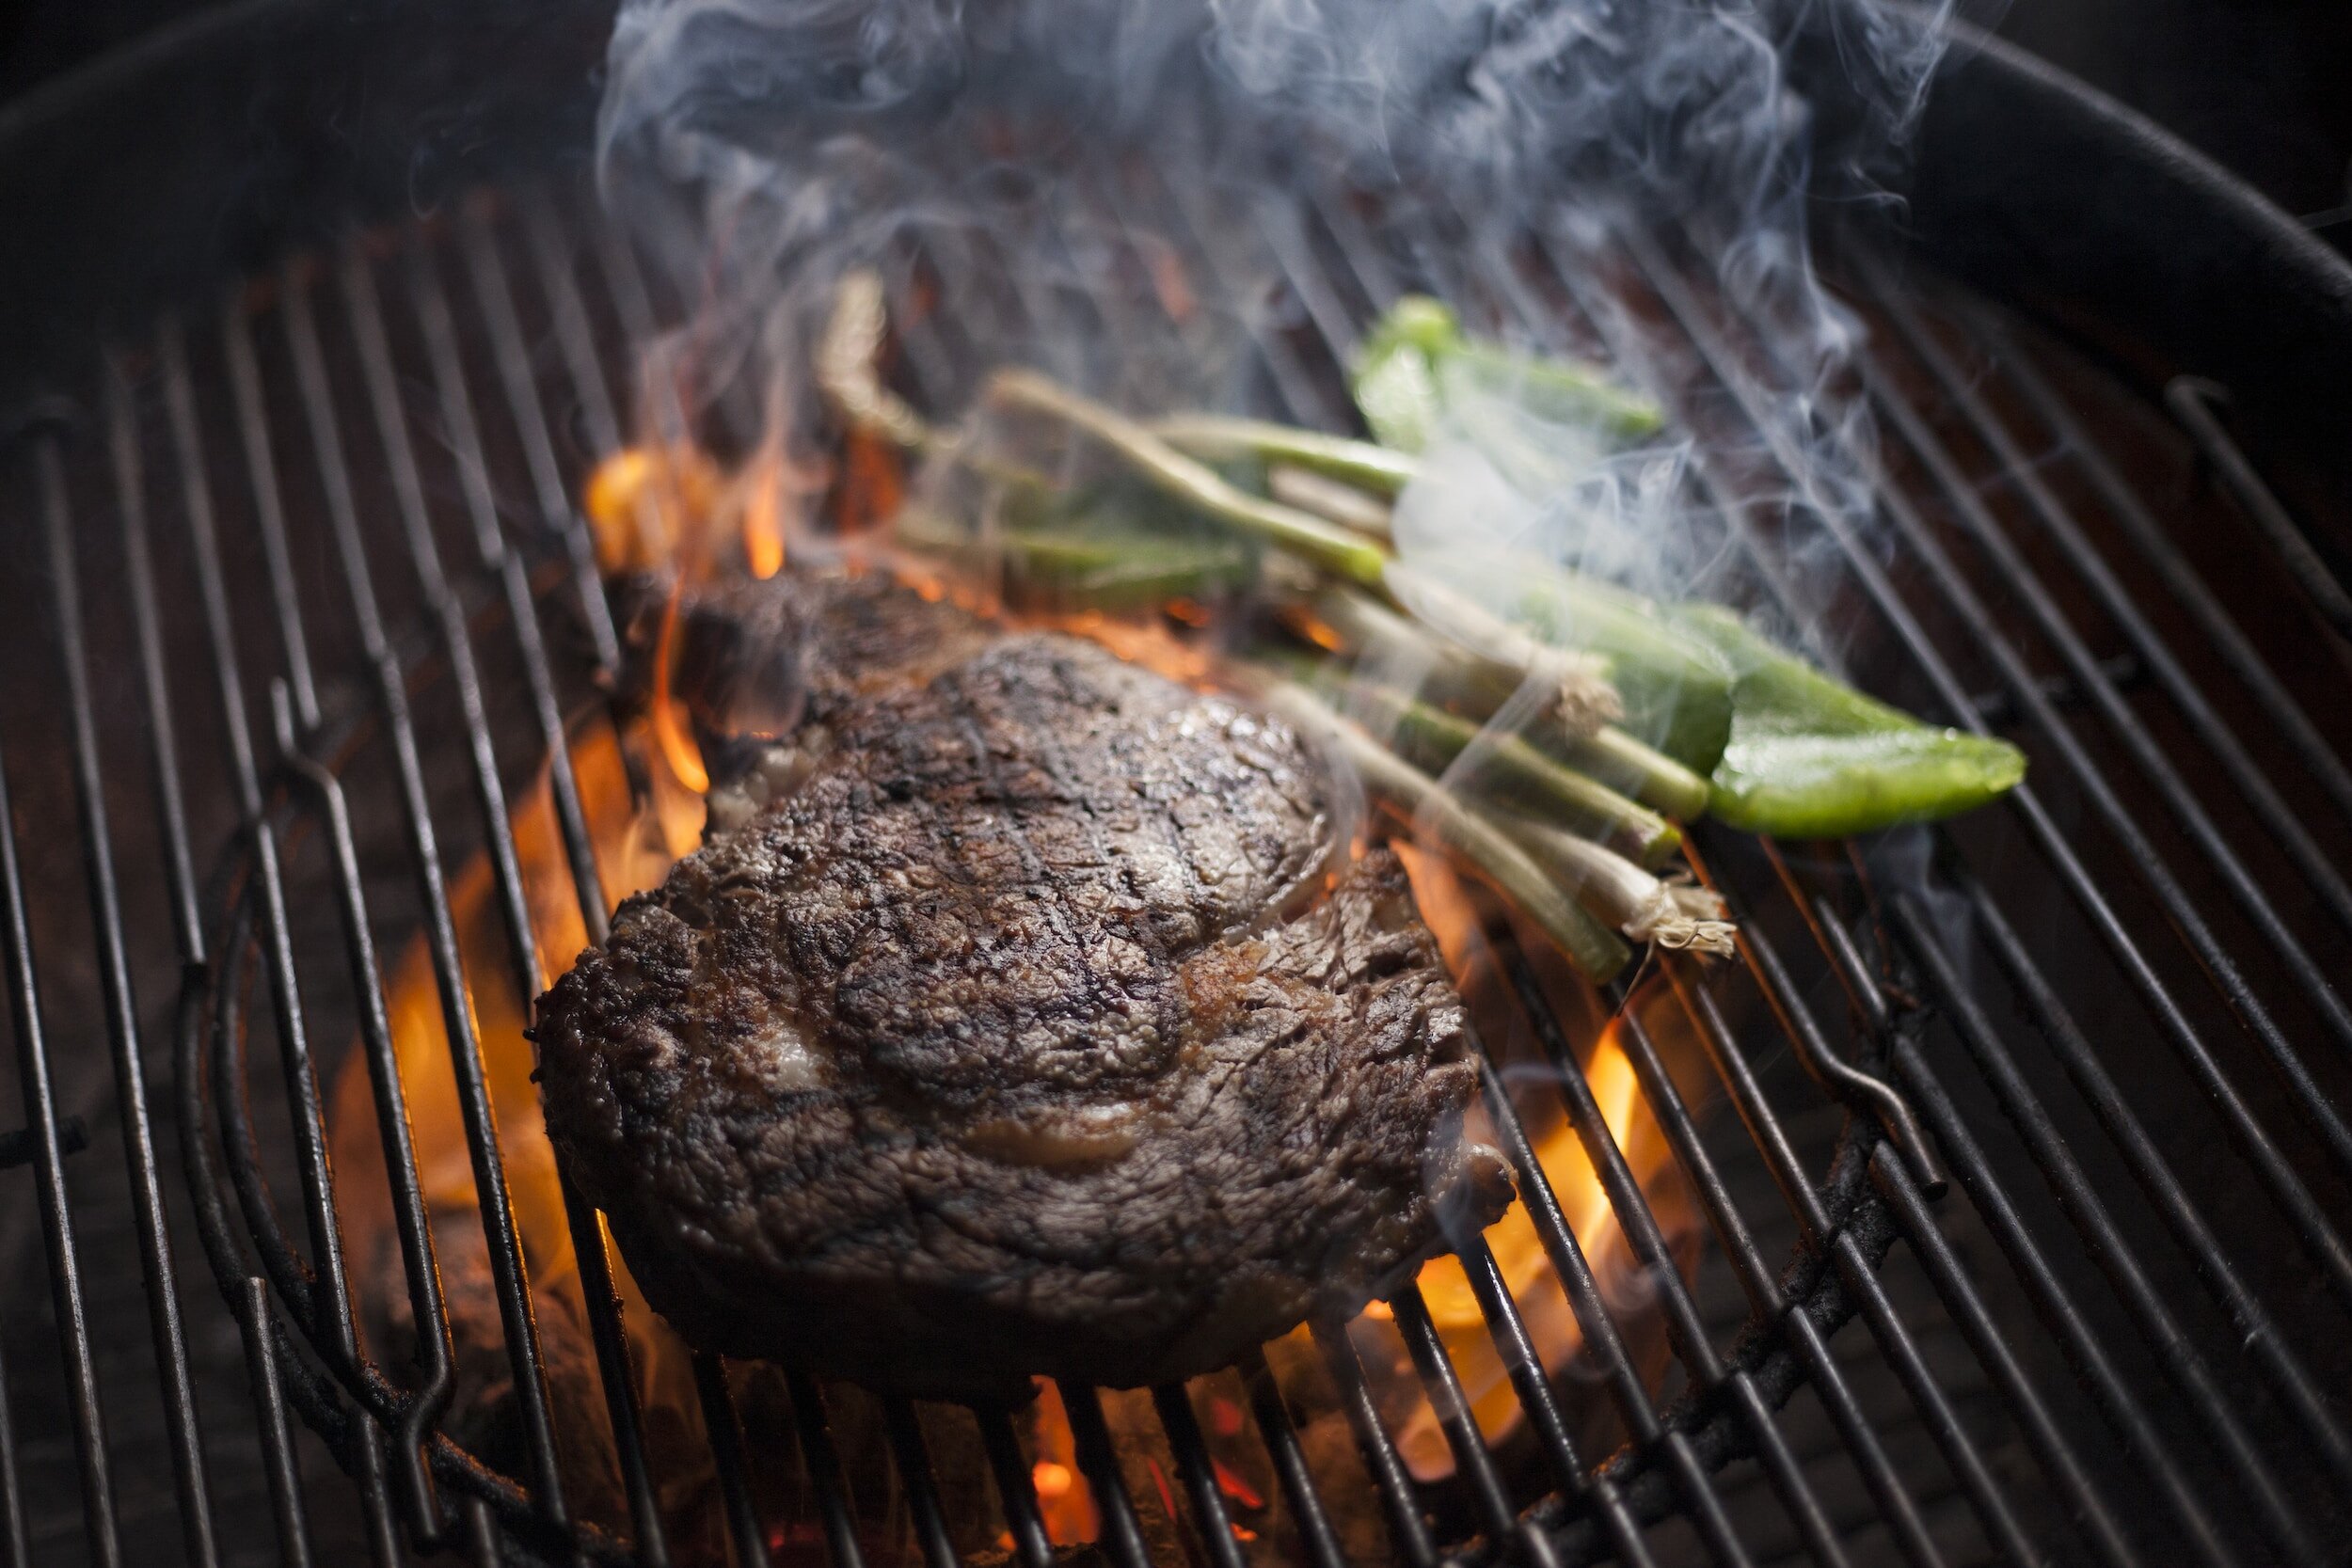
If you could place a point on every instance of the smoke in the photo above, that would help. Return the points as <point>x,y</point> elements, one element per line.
<point>1023,161</point>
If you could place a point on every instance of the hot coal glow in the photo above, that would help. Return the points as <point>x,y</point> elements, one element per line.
<point>636,840</point>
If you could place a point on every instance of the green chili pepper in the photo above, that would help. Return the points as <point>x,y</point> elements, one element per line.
<point>1674,689</point>
<point>1810,758</point>
<point>1789,751</point>
<point>1417,359</point>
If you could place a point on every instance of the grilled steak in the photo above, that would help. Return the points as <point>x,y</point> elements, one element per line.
<point>1018,1014</point>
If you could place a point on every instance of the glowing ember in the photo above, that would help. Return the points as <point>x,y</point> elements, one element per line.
<point>668,511</point>
<point>1518,1251</point>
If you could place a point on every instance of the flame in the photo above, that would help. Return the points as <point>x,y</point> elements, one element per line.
<point>764,511</point>
<point>659,510</point>
<point>1518,1251</point>
<point>1150,643</point>
<point>667,715</point>
<point>1315,629</point>
<point>1063,1497</point>
<point>645,504</point>
<point>634,848</point>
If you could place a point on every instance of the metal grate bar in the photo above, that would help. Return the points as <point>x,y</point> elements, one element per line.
<point>261,462</point>
<point>154,686</point>
<point>2261,1337</point>
<point>1804,1508</point>
<point>319,1291</point>
<point>2221,633</point>
<point>1856,1270</point>
<point>1797,1024</point>
<point>40,1117</point>
<point>922,1489</point>
<point>1015,1489</point>
<point>2149,757</point>
<point>823,1466</point>
<point>269,1400</point>
<point>1123,1532</point>
<point>1599,1493</point>
<point>2192,400</point>
<point>2278,1517</point>
<point>321,1294</point>
<point>429,306</point>
<point>252,1308</point>
<point>1632,1211</point>
<point>13,1535</point>
<point>506,1264</point>
<point>493,1199</point>
<point>481,1530</point>
<point>2076,1338</point>
<point>1409,1531</point>
<point>495,297</point>
<point>2043,1430</point>
<point>1869,1454</point>
<point>156,1264</point>
<point>1314,1521</point>
<point>419,1266</point>
<point>2279,823</point>
<point>2311,1224</point>
<point>1211,1524</point>
<point>1626,1390</point>
<point>1764,1295</point>
<point>726,1435</point>
<point>1953,1285</point>
<point>195,497</point>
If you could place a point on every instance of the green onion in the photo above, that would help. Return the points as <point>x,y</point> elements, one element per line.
<point>1469,837</point>
<point>1508,769</point>
<point>1219,438</point>
<point>1334,550</point>
<point>1614,890</point>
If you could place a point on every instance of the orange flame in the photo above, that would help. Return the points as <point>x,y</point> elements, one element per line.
<point>645,504</point>
<point>654,509</point>
<point>633,851</point>
<point>1518,1251</point>
<point>1063,1497</point>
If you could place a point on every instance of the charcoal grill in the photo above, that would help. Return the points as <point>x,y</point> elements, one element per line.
<point>2024,1181</point>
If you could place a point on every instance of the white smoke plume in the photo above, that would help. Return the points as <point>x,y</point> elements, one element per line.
<point>1032,151</point>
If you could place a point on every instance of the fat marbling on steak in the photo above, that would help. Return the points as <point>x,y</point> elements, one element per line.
<point>1018,1017</point>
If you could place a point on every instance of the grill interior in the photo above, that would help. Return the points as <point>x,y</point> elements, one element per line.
<point>2016,1147</point>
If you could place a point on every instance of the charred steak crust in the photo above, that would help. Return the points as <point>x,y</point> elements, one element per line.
<point>1002,1041</point>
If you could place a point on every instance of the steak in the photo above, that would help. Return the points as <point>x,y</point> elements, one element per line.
<point>1024,1011</point>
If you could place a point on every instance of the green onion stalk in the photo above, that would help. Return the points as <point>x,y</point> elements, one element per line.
<point>1365,466</point>
<point>1680,915</point>
<point>1470,838</point>
<point>1456,676</point>
<point>1582,701</point>
<point>1505,768</point>
<point>1679,707</point>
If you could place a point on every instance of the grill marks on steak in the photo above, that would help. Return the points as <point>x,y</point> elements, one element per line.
<point>1028,1025</point>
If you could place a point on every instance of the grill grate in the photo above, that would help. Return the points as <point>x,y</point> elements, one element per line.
<point>356,605</point>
